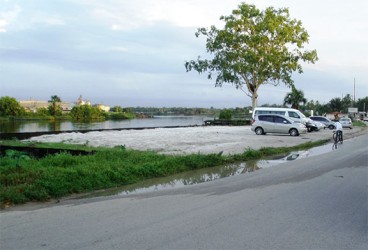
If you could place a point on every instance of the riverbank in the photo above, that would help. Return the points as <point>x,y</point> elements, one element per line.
<point>26,179</point>
<point>178,150</point>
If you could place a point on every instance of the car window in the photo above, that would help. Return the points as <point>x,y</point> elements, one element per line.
<point>281,120</point>
<point>266,118</point>
<point>263,112</point>
<point>293,114</point>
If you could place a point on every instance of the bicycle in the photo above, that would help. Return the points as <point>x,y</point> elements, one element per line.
<point>337,138</point>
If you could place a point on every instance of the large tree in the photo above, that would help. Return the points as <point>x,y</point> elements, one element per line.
<point>255,47</point>
<point>294,98</point>
<point>54,107</point>
<point>336,105</point>
<point>9,106</point>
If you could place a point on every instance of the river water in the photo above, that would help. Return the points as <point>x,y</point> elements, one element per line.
<point>45,126</point>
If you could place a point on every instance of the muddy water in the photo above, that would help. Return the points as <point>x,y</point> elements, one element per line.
<point>209,174</point>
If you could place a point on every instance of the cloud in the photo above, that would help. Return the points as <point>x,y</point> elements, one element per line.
<point>8,15</point>
<point>3,24</point>
<point>158,48</point>
<point>134,51</point>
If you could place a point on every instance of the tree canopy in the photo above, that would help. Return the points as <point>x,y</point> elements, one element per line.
<point>54,107</point>
<point>9,106</point>
<point>87,113</point>
<point>294,98</point>
<point>255,47</point>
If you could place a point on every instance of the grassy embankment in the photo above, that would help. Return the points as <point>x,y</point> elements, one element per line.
<point>359,124</point>
<point>26,179</point>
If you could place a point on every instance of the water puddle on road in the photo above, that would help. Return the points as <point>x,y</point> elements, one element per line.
<point>208,174</point>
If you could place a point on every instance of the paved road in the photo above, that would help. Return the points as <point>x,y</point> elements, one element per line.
<point>312,203</point>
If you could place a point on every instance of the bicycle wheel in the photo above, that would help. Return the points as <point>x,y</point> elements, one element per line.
<point>340,138</point>
<point>334,136</point>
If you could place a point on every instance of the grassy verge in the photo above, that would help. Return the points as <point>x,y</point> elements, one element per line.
<point>26,179</point>
<point>359,124</point>
<point>52,145</point>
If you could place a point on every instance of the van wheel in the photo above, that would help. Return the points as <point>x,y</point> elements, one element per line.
<point>293,132</point>
<point>259,131</point>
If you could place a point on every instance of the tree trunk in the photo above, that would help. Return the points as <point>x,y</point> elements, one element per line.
<point>254,100</point>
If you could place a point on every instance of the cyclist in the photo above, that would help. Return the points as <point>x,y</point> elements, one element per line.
<point>338,127</point>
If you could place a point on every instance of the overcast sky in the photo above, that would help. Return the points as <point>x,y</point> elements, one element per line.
<point>132,53</point>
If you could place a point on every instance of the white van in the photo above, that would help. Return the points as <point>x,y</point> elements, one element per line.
<point>293,114</point>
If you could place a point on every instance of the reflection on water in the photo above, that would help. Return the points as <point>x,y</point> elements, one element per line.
<point>45,126</point>
<point>182,179</point>
<point>199,176</point>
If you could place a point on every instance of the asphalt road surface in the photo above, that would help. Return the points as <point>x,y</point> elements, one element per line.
<point>318,202</point>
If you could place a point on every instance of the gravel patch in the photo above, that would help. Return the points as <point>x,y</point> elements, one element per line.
<point>186,140</point>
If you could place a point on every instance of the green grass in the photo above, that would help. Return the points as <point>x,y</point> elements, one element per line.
<point>25,179</point>
<point>52,145</point>
<point>359,124</point>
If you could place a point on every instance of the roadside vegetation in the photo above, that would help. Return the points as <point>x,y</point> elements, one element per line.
<point>24,178</point>
<point>359,124</point>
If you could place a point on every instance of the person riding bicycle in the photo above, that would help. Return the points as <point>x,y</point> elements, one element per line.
<point>338,127</point>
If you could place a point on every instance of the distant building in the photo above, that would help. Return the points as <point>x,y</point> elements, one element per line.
<point>80,101</point>
<point>33,105</point>
<point>102,107</point>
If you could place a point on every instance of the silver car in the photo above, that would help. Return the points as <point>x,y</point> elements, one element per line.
<point>272,123</point>
<point>328,123</point>
<point>346,123</point>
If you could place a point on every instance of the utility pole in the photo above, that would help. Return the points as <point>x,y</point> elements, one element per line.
<point>354,90</point>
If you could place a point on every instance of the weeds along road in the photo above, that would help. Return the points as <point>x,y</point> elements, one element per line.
<point>318,202</point>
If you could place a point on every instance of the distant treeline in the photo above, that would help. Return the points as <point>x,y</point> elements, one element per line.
<point>10,107</point>
<point>170,111</point>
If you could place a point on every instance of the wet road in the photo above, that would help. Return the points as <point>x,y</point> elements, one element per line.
<point>318,202</point>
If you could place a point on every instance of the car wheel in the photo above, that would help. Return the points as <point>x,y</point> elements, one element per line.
<point>293,132</point>
<point>331,127</point>
<point>259,131</point>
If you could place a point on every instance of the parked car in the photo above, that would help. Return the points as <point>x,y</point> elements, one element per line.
<point>319,125</point>
<point>346,122</point>
<point>327,122</point>
<point>314,126</point>
<point>272,123</point>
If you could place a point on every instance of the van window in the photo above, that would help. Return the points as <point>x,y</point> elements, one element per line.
<point>264,112</point>
<point>281,120</point>
<point>293,114</point>
<point>266,118</point>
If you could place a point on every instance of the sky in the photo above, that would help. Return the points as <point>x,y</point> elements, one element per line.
<point>132,53</point>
